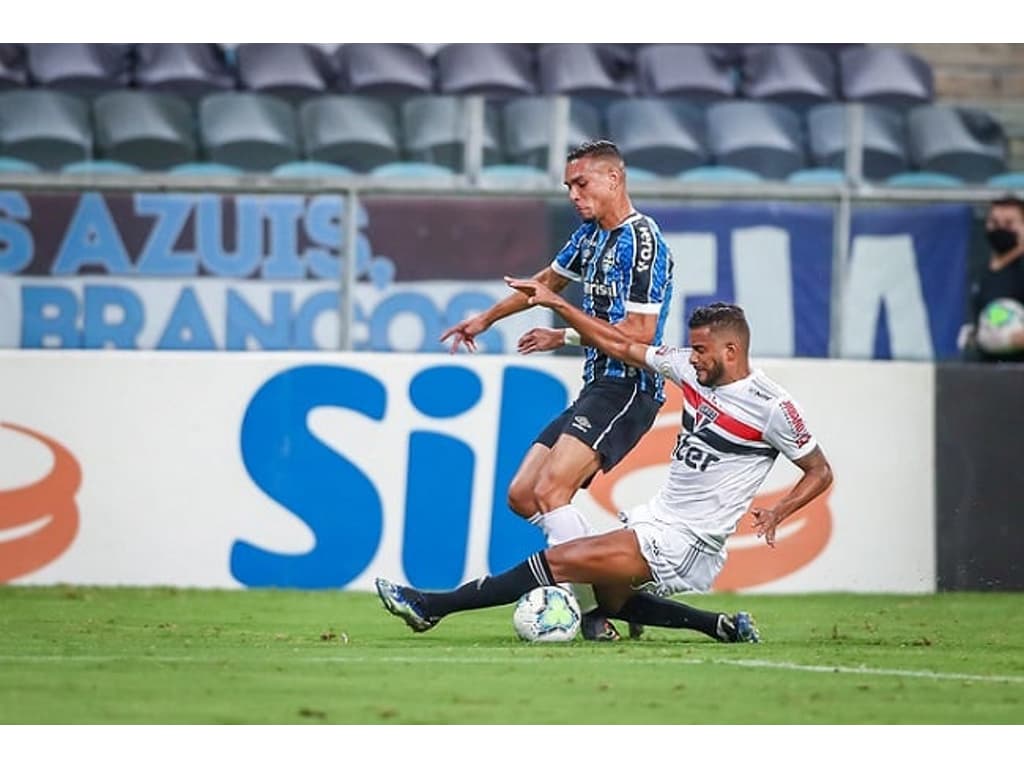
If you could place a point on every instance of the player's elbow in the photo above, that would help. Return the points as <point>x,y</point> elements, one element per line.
<point>824,473</point>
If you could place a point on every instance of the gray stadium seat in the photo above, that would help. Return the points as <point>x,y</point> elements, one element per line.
<point>252,131</point>
<point>579,69</point>
<point>12,66</point>
<point>355,131</point>
<point>44,127</point>
<point>385,69</point>
<point>967,143</point>
<point>884,139</point>
<point>884,75</point>
<point>289,70</point>
<point>86,67</point>
<point>491,69</point>
<point>526,125</point>
<point>435,130</point>
<point>665,136</point>
<point>758,136</point>
<point>191,70</point>
<point>150,130</point>
<point>795,75</point>
<point>689,71</point>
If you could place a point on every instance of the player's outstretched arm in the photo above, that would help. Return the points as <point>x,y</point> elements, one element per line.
<point>816,478</point>
<point>465,333</point>
<point>593,332</point>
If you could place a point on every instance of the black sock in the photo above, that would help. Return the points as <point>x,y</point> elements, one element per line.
<point>643,608</point>
<point>502,589</point>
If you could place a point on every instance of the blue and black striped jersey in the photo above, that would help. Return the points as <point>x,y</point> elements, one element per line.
<point>625,269</point>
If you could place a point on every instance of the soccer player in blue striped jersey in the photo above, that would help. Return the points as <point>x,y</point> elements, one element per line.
<point>625,267</point>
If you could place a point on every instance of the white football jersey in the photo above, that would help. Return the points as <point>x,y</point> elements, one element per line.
<point>728,442</point>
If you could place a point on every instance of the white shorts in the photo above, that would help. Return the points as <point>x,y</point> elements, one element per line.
<point>679,560</point>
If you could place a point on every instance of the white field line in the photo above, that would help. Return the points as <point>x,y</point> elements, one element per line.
<point>343,659</point>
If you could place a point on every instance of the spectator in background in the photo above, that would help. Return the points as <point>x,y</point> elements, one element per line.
<point>1002,277</point>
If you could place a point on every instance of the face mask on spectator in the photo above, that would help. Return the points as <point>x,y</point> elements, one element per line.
<point>1002,240</point>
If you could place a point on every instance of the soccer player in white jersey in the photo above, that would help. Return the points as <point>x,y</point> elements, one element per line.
<point>735,422</point>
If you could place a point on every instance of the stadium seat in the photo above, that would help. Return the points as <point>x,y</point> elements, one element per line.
<point>826,176</point>
<point>640,174</point>
<point>100,166</point>
<point>1012,180</point>
<point>688,71</point>
<point>720,174</point>
<point>290,71</point>
<point>385,69</point>
<point>150,130</point>
<point>526,127</point>
<point>884,75</point>
<point>412,170</point>
<point>514,176</point>
<point>758,136</point>
<point>923,179</point>
<point>884,139</point>
<point>491,69</point>
<point>252,131</point>
<point>967,143</point>
<point>12,66</point>
<point>355,131</point>
<point>304,168</point>
<point>435,129</point>
<point>579,69</point>
<point>190,70</point>
<point>794,75</point>
<point>205,169</point>
<point>44,127</point>
<point>665,136</point>
<point>83,67</point>
<point>14,165</point>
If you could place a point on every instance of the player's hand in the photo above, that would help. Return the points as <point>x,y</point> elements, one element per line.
<point>465,333</point>
<point>540,340</point>
<point>765,521</point>
<point>536,292</point>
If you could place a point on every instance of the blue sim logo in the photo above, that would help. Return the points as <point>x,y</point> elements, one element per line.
<point>341,504</point>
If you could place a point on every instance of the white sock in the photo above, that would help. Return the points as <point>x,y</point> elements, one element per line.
<point>565,524</point>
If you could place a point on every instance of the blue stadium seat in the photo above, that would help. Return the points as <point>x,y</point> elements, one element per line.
<point>290,71</point>
<point>100,166</point>
<point>759,136</point>
<point>688,71</point>
<point>44,127</point>
<point>640,174</point>
<point>189,70</point>
<point>967,143</point>
<point>885,75</point>
<point>514,175</point>
<point>720,174</point>
<point>526,125</point>
<point>795,75</point>
<point>665,136</point>
<point>12,66</point>
<point>492,69</point>
<point>355,131</point>
<point>923,179</point>
<point>305,168</point>
<point>884,139</point>
<point>253,131</point>
<point>435,128</point>
<point>205,169</point>
<point>825,176</point>
<point>150,130</point>
<point>1011,180</point>
<point>412,171</point>
<point>385,69</point>
<point>580,69</point>
<point>84,67</point>
<point>14,165</point>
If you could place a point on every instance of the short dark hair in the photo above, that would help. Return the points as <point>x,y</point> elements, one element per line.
<point>721,316</point>
<point>599,148</point>
<point>1009,201</point>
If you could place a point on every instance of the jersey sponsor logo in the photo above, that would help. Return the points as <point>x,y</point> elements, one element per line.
<point>582,423</point>
<point>796,423</point>
<point>646,243</point>
<point>759,394</point>
<point>600,289</point>
<point>39,521</point>
<point>693,456</point>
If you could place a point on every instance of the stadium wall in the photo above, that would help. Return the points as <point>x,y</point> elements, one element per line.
<point>323,470</point>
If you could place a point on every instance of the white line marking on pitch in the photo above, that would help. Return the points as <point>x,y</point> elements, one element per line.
<point>343,659</point>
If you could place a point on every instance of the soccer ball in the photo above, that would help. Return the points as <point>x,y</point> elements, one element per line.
<point>998,321</point>
<point>547,615</point>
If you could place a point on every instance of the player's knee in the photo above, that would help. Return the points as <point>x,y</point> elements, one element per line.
<point>551,493</point>
<point>521,499</point>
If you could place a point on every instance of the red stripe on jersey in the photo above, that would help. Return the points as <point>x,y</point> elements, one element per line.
<point>724,420</point>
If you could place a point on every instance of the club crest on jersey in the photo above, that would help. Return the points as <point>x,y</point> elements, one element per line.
<point>706,414</point>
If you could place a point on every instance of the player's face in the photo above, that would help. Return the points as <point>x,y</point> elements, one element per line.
<point>707,356</point>
<point>592,184</point>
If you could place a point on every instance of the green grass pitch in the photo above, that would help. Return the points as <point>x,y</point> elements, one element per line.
<point>103,655</point>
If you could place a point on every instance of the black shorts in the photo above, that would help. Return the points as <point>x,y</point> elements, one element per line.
<point>610,415</point>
